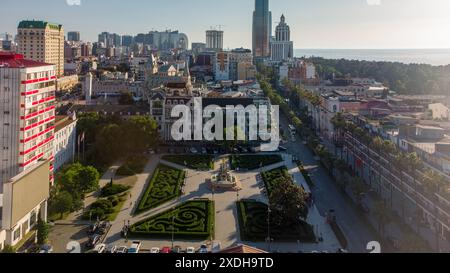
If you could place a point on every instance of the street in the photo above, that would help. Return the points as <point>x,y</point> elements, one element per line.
<point>328,197</point>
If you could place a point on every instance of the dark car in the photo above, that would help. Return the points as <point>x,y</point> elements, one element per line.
<point>103,227</point>
<point>93,240</point>
<point>93,228</point>
<point>177,249</point>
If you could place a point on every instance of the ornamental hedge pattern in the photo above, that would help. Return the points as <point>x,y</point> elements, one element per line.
<point>253,162</point>
<point>165,186</point>
<point>193,220</point>
<point>253,225</point>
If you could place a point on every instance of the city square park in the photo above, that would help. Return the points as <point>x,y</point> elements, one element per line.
<point>188,200</point>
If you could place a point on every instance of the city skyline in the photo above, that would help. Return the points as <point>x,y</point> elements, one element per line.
<point>325,24</point>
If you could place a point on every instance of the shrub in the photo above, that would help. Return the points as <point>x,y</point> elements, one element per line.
<point>252,162</point>
<point>113,189</point>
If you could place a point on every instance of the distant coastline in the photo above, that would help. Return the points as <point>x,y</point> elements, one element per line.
<point>435,57</point>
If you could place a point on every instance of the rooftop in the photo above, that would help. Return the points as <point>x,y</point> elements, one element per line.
<point>14,60</point>
<point>39,25</point>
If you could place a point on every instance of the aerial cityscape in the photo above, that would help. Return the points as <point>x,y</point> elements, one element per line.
<point>253,138</point>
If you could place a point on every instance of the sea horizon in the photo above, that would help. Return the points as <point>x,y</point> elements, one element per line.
<point>431,56</point>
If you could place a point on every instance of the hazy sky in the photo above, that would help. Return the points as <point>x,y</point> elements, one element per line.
<point>314,23</point>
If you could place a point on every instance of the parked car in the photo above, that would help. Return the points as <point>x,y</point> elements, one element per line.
<point>122,249</point>
<point>204,151</point>
<point>151,151</point>
<point>166,250</point>
<point>46,249</point>
<point>93,240</point>
<point>203,249</point>
<point>111,249</point>
<point>103,227</point>
<point>282,149</point>
<point>135,247</point>
<point>93,228</point>
<point>177,249</point>
<point>100,248</point>
<point>190,250</point>
<point>193,150</point>
<point>171,151</point>
<point>154,250</point>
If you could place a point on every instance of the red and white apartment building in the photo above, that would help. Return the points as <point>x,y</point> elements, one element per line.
<point>27,119</point>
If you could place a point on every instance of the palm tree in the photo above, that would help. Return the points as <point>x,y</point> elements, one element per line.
<point>358,189</point>
<point>383,215</point>
<point>414,162</point>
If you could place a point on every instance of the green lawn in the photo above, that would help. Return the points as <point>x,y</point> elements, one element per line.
<point>191,220</point>
<point>165,186</point>
<point>253,162</point>
<point>273,177</point>
<point>196,162</point>
<point>253,225</point>
<point>134,165</point>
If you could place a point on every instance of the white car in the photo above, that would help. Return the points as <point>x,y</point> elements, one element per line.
<point>122,249</point>
<point>190,250</point>
<point>154,250</point>
<point>100,248</point>
<point>135,247</point>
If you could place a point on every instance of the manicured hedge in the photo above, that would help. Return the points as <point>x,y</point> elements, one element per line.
<point>273,177</point>
<point>113,189</point>
<point>193,220</point>
<point>253,225</point>
<point>196,162</point>
<point>103,209</point>
<point>253,162</point>
<point>165,185</point>
<point>306,175</point>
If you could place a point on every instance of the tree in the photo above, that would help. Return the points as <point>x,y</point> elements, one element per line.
<point>288,204</point>
<point>42,231</point>
<point>88,179</point>
<point>62,203</point>
<point>383,215</point>
<point>358,188</point>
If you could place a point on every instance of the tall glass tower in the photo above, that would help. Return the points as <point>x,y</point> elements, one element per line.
<point>262,29</point>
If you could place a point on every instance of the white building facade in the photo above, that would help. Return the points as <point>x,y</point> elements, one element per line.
<point>65,140</point>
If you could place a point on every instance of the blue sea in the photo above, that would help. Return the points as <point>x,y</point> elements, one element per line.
<point>423,56</point>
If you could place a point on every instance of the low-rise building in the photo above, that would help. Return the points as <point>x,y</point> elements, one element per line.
<point>65,140</point>
<point>24,199</point>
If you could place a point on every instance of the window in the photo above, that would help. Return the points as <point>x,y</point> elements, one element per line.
<point>33,218</point>
<point>16,234</point>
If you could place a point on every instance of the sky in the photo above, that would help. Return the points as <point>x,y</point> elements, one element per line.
<point>316,24</point>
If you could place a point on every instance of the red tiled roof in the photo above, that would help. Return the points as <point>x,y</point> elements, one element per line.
<point>14,60</point>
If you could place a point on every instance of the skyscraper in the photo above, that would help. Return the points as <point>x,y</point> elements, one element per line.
<point>282,48</point>
<point>27,115</point>
<point>43,42</point>
<point>73,36</point>
<point>214,39</point>
<point>262,21</point>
